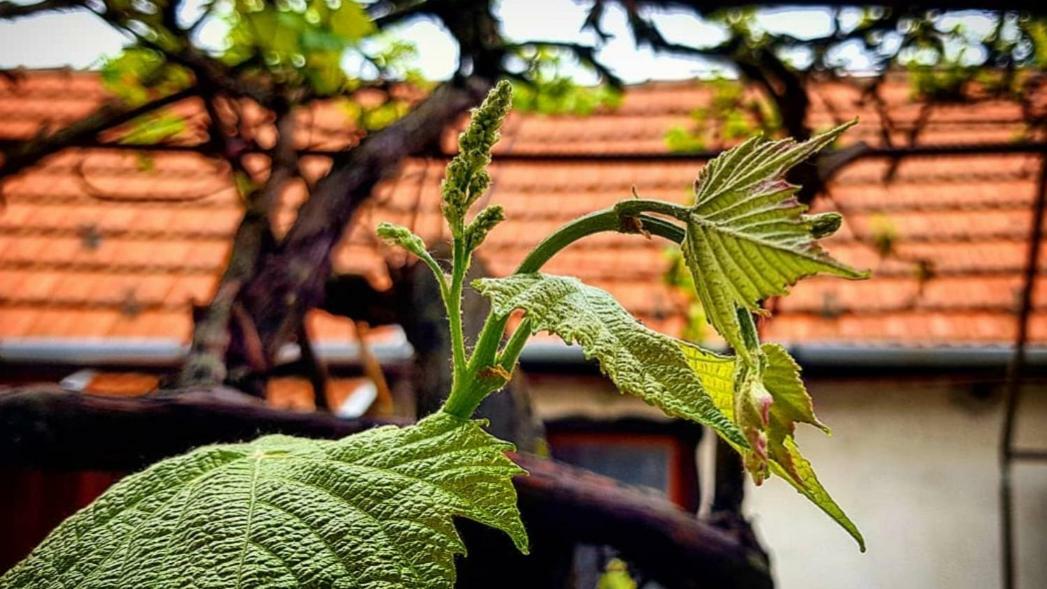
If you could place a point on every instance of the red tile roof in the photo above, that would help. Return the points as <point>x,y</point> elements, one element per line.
<point>101,244</point>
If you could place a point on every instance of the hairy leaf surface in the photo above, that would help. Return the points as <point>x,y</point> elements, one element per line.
<point>371,510</point>
<point>747,238</point>
<point>792,404</point>
<point>640,361</point>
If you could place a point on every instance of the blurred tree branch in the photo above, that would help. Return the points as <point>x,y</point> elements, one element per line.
<point>109,115</point>
<point>10,10</point>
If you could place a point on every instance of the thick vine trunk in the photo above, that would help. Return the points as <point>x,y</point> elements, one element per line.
<point>223,328</point>
<point>292,278</point>
<point>268,288</point>
<point>289,279</point>
<point>205,364</point>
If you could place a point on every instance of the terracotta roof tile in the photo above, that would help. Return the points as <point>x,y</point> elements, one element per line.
<point>290,393</point>
<point>950,225</point>
<point>28,285</point>
<point>62,322</point>
<point>325,327</point>
<point>121,384</point>
<point>101,243</point>
<point>191,288</point>
<point>956,328</point>
<point>16,321</point>
<point>176,325</point>
<point>297,394</point>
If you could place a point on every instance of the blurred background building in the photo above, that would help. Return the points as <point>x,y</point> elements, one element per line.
<point>106,247</point>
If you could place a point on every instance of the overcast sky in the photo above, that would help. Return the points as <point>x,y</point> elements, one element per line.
<point>81,40</point>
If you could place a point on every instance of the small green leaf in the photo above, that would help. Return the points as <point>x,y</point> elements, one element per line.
<point>371,510</point>
<point>324,71</point>
<point>245,186</point>
<point>884,234</point>
<point>680,140</point>
<point>138,75</point>
<point>640,361</point>
<point>753,404</point>
<point>791,404</point>
<point>825,224</point>
<point>351,22</point>
<point>153,128</point>
<point>747,238</point>
<point>551,93</point>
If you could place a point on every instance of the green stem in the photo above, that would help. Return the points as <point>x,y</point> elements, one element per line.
<point>454,316</point>
<point>638,206</point>
<point>615,218</point>
<point>511,352</point>
<point>748,328</point>
<point>625,217</point>
<point>509,355</point>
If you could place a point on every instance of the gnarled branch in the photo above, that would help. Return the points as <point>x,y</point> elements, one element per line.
<point>111,114</point>
<point>10,10</point>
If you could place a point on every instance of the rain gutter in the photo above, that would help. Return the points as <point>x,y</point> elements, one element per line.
<point>837,356</point>
<point>158,353</point>
<point>539,354</point>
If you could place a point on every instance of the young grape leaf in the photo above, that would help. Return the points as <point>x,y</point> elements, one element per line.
<point>791,404</point>
<point>371,510</point>
<point>640,361</point>
<point>747,237</point>
<point>753,404</point>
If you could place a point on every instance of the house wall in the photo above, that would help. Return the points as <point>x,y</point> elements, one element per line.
<point>915,465</point>
<point>913,461</point>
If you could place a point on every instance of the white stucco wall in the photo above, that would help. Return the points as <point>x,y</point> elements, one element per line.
<point>915,465</point>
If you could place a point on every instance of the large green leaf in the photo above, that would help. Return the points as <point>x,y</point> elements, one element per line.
<point>747,237</point>
<point>373,510</point>
<point>640,361</point>
<point>791,404</point>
